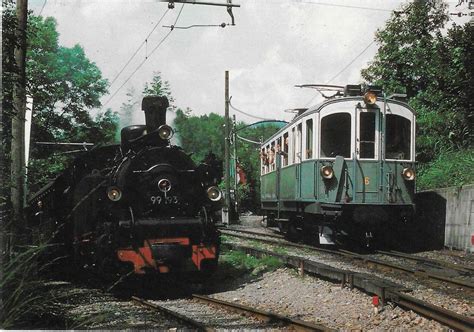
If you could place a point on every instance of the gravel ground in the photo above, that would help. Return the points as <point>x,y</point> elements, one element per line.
<point>217,318</point>
<point>310,299</point>
<point>282,291</point>
<point>447,296</point>
<point>457,257</point>
<point>88,308</point>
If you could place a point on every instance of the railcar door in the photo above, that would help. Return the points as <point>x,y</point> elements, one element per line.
<point>367,153</point>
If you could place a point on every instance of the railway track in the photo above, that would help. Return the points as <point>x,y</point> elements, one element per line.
<point>386,290</point>
<point>208,314</point>
<point>444,272</point>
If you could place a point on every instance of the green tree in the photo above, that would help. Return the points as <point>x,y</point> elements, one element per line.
<point>432,63</point>
<point>158,87</point>
<point>64,84</point>
<point>201,134</point>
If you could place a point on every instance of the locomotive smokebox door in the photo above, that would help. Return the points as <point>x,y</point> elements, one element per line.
<point>155,111</point>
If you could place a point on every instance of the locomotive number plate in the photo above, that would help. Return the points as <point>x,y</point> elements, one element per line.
<point>157,200</point>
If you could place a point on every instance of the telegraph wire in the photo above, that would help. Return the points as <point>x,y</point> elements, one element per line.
<point>343,69</point>
<point>144,42</point>
<point>41,11</point>
<point>144,60</point>
<point>247,114</point>
<point>343,6</point>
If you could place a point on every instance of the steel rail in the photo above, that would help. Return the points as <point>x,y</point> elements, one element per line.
<point>277,236</point>
<point>187,320</point>
<point>268,317</point>
<point>416,273</point>
<point>447,317</point>
<point>365,259</point>
<point>386,290</point>
<point>429,261</point>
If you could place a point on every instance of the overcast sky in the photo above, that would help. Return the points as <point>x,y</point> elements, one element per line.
<point>274,45</point>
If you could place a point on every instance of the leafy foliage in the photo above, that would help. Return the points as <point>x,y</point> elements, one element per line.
<point>255,266</point>
<point>65,86</point>
<point>201,134</point>
<point>433,66</point>
<point>449,169</point>
<point>158,87</point>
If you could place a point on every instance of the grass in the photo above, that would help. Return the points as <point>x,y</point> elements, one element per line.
<point>250,264</point>
<point>23,292</point>
<point>448,170</point>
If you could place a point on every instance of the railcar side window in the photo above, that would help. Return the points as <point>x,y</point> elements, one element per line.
<point>398,137</point>
<point>336,135</point>
<point>309,139</point>
<point>285,149</point>
<point>272,156</point>
<point>367,135</point>
<point>293,146</point>
<point>299,142</point>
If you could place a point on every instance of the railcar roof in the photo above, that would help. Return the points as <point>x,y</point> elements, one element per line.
<point>318,107</point>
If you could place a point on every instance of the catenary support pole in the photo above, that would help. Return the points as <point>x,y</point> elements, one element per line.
<point>236,182</point>
<point>18,124</point>
<point>226,210</point>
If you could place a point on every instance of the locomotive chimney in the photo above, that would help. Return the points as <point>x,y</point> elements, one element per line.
<point>155,111</point>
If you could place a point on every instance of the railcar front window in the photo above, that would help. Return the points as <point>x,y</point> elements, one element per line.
<point>336,135</point>
<point>398,137</point>
<point>367,135</point>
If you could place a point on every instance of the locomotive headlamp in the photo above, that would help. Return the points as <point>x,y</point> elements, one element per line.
<point>214,193</point>
<point>327,172</point>
<point>114,194</point>
<point>164,185</point>
<point>165,132</point>
<point>408,174</point>
<point>370,98</point>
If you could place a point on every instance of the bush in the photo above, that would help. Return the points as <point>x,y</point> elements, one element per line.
<point>450,168</point>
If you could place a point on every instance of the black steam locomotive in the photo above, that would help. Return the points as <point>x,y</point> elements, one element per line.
<point>141,206</point>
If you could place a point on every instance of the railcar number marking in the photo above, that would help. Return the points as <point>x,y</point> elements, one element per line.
<point>366,180</point>
<point>164,200</point>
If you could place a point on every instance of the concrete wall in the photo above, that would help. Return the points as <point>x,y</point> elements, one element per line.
<point>458,211</point>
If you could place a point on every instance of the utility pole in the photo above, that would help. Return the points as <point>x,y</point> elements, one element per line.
<point>18,125</point>
<point>226,210</point>
<point>234,141</point>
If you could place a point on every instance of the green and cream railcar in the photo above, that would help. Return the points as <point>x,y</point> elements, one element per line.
<point>345,167</point>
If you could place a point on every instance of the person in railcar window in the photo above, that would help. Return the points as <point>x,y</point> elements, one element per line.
<point>285,149</point>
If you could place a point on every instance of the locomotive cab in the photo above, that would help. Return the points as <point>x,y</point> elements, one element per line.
<point>345,167</point>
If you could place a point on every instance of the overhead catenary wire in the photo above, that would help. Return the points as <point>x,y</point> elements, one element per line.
<point>343,69</point>
<point>41,10</point>
<point>248,114</point>
<point>343,6</point>
<point>144,42</point>
<point>144,60</point>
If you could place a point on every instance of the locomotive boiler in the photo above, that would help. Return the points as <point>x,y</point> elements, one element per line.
<point>141,206</point>
<point>343,170</point>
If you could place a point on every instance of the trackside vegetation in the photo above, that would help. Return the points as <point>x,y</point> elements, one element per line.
<point>424,54</point>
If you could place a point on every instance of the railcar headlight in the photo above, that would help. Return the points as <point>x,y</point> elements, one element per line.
<point>214,194</point>
<point>165,132</point>
<point>408,174</point>
<point>114,194</point>
<point>370,98</point>
<point>164,185</point>
<point>327,172</point>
